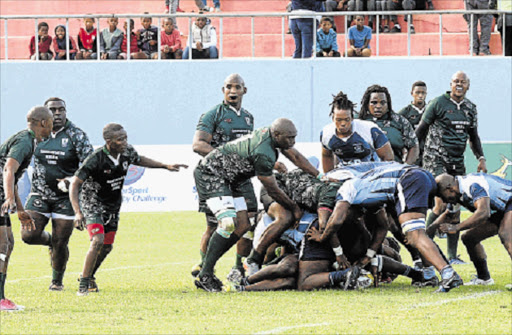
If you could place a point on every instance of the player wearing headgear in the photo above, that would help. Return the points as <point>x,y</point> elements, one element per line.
<point>101,178</point>
<point>490,199</point>
<point>55,162</point>
<point>15,156</point>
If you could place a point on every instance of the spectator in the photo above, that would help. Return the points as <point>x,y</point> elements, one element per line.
<point>201,4</point>
<point>394,5</point>
<point>111,39</point>
<point>326,44</point>
<point>44,42</point>
<point>203,40</point>
<point>359,37</point>
<point>134,48</point>
<point>479,46</point>
<point>507,27</point>
<point>148,38</point>
<point>303,27</point>
<point>86,40</point>
<point>172,7</point>
<point>171,41</point>
<point>59,44</point>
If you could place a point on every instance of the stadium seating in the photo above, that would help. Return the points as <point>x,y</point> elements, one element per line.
<point>237,31</point>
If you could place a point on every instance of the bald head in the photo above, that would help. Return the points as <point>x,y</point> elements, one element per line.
<point>460,74</point>
<point>234,78</point>
<point>448,188</point>
<point>110,130</point>
<point>38,113</point>
<point>284,133</point>
<point>444,181</point>
<point>282,125</point>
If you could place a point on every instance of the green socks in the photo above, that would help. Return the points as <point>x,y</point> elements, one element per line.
<point>238,262</point>
<point>2,284</point>
<point>57,275</point>
<point>217,247</point>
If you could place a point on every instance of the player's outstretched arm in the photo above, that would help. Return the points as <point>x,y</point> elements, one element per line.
<point>300,161</point>
<point>270,184</point>
<point>74,188</point>
<point>335,222</point>
<point>10,168</point>
<point>480,216</point>
<point>378,237</point>
<point>150,163</point>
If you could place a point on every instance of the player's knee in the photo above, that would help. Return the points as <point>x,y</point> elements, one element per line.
<point>289,269</point>
<point>225,212</point>
<point>97,242</point>
<point>289,283</point>
<point>107,248</point>
<point>30,237</point>
<point>468,240</point>
<point>413,230</point>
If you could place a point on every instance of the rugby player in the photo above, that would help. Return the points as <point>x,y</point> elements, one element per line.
<point>101,177</point>
<point>225,168</point>
<point>55,162</point>
<point>15,156</point>
<point>408,190</point>
<point>490,199</point>
<point>449,121</point>
<point>223,123</point>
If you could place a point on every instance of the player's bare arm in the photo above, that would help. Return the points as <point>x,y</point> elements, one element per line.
<point>27,222</point>
<point>480,216</point>
<point>10,168</point>
<point>422,131</point>
<point>385,153</point>
<point>74,188</point>
<point>476,146</point>
<point>334,224</point>
<point>153,164</point>
<point>412,155</point>
<point>270,184</point>
<point>327,160</point>
<point>378,237</point>
<point>300,161</point>
<point>201,143</point>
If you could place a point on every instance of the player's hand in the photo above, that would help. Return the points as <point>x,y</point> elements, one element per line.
<point>27,223</point>
<point>482,166</point>
<point>63,184</point>
<point>176,167</point>
<point>280,167</point>
<point>79,221</point>
<point>449,228</point>
<point>314,234</point>
<point>9,206</point>
<point>342,262</point>
<point>363,261</point>
<point>297,213</point>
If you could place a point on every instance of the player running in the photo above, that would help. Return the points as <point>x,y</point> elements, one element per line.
<point>15,156</point>
<point>55,162</point>
<point>101,177</point>
<point>490,199</point>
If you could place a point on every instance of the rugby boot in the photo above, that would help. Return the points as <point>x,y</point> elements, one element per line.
<point>93,287</point>
<point>8,305</point>
<point>477,281</point>
<point>196,269</point>
<point>56,285</point>
<point>83,288</point>
<point>235,275</point>
<point>449,283</point>
<point>351,278</point>
<point>208,283</point>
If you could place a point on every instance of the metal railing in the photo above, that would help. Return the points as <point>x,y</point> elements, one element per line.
<point>252,16</point>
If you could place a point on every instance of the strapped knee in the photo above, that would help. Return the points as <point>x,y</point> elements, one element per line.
<point>224,210</point>
<point>414,224</point>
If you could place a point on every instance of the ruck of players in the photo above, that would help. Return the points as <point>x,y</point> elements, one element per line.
<point>389,182</point>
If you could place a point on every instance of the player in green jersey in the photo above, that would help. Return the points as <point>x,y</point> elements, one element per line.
<point>55,162</point>
<point>449,121</point>
<point>225,168</point>
<point>101,177</point>
<point>15,156</point>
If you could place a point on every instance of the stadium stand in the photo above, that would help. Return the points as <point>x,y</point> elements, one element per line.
<point>237,31</point>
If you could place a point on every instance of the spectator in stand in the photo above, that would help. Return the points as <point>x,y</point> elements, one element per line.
<point>148,38</point>
<point>303,27</point>
<point>111,39</point>
<point>507,27</point>
<point>172,7</point>
<point>203,39</point>
<point>135,53</point>
<point>44,41</point>
<point>86,40</point>
<point>171,41</point>
<point>201,4</point>
<point>326,44</point>
<point>394,5</point>
<point>480,46</point>
<point>359,37</point>
<point>59,44</point>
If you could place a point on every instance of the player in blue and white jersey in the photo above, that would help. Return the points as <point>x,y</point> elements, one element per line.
<point>406,189</point>
<point>490,199</point>
<point>351,141</point>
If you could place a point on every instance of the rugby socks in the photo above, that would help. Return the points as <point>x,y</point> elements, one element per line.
<point>482,271</point>
<point>337,277</point>
<point>57,275</point>
<point>105,250</point>
<point>217,247</point>
<point>238,262</point>
<point>203,255</point>
<point>430,219</point>
<point>2,284</point>
<point>452,242</point>
<point>84,282</point>
<point>447,272</point>
<point>392,266</point>
<point>255,257</point>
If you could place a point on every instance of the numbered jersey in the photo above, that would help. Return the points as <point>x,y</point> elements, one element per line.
<point>475,186</point>
<point>58,158</point>
<point>225,124</point>
<point>103,177</point>
<point>359,147</point>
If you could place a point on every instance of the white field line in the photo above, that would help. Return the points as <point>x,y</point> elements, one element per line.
<point>102,270</point>
<point>447,301</point>
<point>435,303</point>
<point>283,329</point>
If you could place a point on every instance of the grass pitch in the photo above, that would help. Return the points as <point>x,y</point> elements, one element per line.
<point>146,287</point>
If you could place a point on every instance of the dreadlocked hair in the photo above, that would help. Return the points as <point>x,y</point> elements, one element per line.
<point>365,101</point>
<point>341,101</point>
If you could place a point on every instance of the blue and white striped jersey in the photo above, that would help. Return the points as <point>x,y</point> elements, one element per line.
<point>475,186</point>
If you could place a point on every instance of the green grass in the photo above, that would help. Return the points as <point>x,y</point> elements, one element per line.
<point>146,287</point>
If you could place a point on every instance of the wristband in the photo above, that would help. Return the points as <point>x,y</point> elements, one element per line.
<point>482,158</point>
<point>320,175</point>
<point>338,251</point>
<point>370,253</point>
